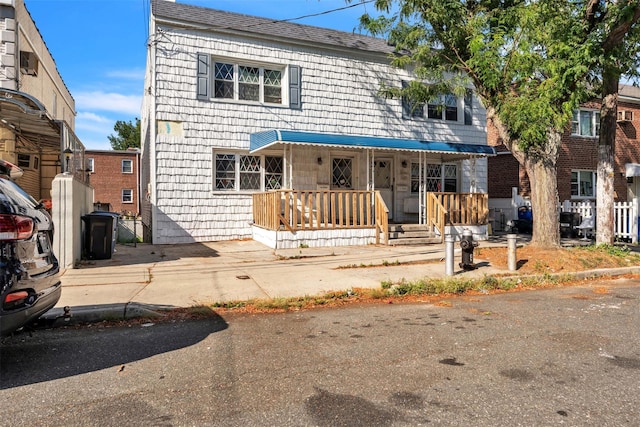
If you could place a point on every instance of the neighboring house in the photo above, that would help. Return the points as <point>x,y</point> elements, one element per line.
<point>37,111</point>
<point>275,131</point>
<point>114,176</point>
<point>578,156</point>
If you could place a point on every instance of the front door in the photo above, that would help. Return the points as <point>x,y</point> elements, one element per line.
<point>383,181</point>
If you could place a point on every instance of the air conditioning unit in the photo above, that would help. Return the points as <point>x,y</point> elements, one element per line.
<point>625,116</point>
<point>28,63</point>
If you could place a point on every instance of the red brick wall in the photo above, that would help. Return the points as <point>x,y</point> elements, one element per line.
<point>575,153</point>
<point>108,181</point>
<point>627,148</point>
<point>503,174</point>
<point>504,171</point>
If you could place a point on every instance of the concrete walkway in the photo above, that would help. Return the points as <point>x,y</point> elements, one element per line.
<point>148,277</point>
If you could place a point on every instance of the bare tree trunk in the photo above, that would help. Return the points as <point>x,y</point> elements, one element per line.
<point>605,232</point>
<point>540,166</point>
<point>542,170</point>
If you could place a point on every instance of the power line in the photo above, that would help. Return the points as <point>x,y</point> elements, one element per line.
<point>325,12</point>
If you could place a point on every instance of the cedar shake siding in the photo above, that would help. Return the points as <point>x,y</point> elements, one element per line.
<point>330,82</point>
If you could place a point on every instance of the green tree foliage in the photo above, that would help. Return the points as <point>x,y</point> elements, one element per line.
<point>531,62</point>
<point>128,135</point>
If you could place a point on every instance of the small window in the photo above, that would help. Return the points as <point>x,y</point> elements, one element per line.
<point>273,173</point>
<point>127,166</point>
<point>583,184</point>
<point>410,108</point>
<point>434,178</point>
<point>415,177</point>
<point>450,178</point>
<point>90,165</point>
<point>225,172</point>
<point>24,161</point>
<point>28,63</point>
<point>249,172</point>
<point>342,176</point>
<point>585,123</point>
<point>127,195</point>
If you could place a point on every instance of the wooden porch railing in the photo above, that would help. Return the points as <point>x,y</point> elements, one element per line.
<point>436,214</point>
<point>382,219</point>
<point>457,209</point>
<point>319,210</point>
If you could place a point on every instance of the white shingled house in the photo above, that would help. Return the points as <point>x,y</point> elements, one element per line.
<point>275,131</point>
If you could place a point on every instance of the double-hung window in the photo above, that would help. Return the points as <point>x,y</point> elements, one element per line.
<point>248,83</point>
<point>127,166</point>
<point>585,123</point>
<point>583,183</point>
<point>443,108</point>
<point>239,172</point>
<point>127,195</point>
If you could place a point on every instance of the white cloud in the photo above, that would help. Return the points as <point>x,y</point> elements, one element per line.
<point>92,117</point>
<point>93,129</point>
<point>132,74</point>
<point>105,101</point>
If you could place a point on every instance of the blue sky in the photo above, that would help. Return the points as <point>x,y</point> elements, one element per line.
<point>100,48</point>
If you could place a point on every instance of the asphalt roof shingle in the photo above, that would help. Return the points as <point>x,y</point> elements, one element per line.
<point>221,21</point>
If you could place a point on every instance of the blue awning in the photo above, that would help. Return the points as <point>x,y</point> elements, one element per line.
<point>271,138</point>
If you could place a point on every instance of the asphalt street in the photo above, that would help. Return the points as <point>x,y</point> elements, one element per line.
<point>561,356</point>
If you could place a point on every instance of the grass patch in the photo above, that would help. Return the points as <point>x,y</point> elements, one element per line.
<point>402,290</point>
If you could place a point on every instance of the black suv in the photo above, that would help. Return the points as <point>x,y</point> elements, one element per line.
<point>29,271</point>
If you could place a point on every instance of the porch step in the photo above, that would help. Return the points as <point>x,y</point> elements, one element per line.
<point>411,234</point>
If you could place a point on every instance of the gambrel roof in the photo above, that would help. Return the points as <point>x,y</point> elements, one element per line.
<point>234,23</point>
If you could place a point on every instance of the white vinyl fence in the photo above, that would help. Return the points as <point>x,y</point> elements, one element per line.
<point>625,216</point>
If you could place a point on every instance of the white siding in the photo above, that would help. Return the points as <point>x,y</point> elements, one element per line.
<point>314,239</point>
<point>339,95</point>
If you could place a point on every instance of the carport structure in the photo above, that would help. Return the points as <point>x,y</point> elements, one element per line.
<point>44,147</point>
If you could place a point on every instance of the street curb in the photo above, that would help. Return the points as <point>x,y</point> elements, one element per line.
<point>133,310</point>
<point>98,313</point>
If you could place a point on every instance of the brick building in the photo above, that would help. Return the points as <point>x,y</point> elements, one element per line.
<point>114,176</point>
<point>578,155</point>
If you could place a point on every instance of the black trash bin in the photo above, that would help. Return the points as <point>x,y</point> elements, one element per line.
<point>569,221</point>
<point>100,235</point>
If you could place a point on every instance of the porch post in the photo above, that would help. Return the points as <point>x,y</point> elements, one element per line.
<point>474,179</point>
<point>422,173</point>
<point>290,167</point>
<point>634,221</point>
<point>372,168</point>
<point>369,170</point>
<point>285,165</point>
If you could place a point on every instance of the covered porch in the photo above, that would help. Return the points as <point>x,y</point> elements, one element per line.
<point>339,190</point>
